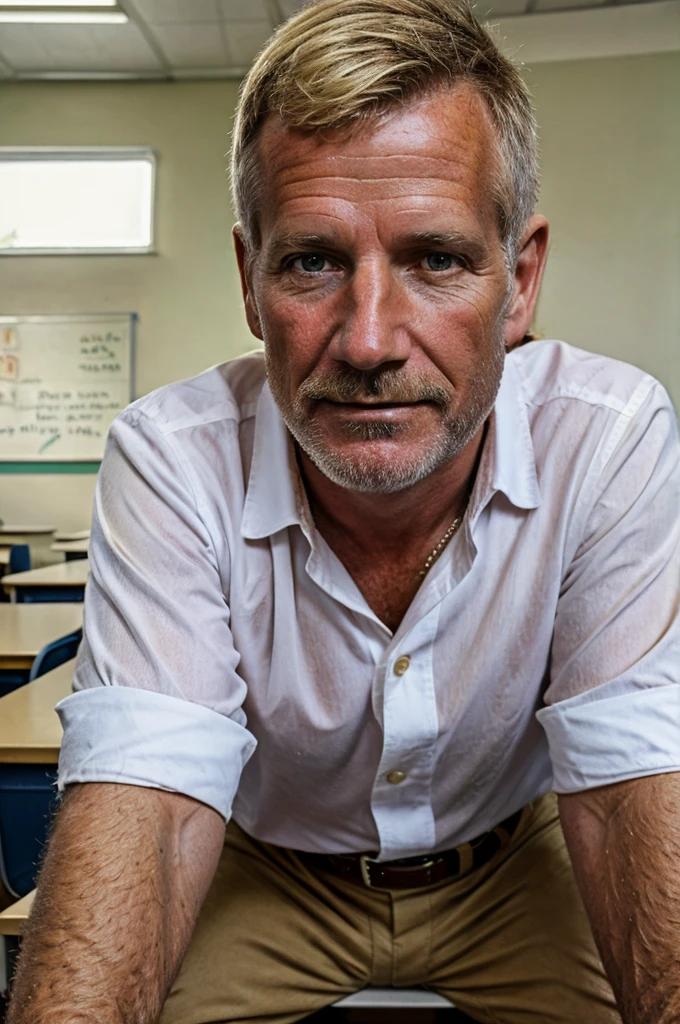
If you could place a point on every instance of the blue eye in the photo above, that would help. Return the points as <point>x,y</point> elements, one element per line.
<point>439,261</point>
<point>311,262</point>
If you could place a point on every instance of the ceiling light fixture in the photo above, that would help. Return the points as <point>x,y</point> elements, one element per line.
<point>62,17</point>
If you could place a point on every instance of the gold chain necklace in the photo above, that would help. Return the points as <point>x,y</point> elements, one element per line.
<point>437,550</point>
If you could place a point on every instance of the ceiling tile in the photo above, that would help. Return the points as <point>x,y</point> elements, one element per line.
<point>243,10</point>
<point>169,12</point>
<point>246,39</point>
<point>77,48</point>
<point>192,46</point>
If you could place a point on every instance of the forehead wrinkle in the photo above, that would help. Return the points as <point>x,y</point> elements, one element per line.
<point>385,158</point>
<point>428,168</point>
<point>375,167</point>
<point>358,192</point>
<point>445,219</point>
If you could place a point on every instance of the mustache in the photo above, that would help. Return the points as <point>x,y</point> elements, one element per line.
<point>347,384</point>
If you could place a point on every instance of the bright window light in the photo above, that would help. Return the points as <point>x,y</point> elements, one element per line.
<point>76,201</point>
<point>57,17</point>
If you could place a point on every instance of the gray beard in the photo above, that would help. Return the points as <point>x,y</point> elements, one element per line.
<point>360,472</point>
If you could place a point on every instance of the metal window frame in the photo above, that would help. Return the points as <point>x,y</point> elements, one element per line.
<point>83,153</point>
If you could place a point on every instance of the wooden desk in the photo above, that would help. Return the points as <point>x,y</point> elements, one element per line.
<point>76,535</point>
<point>13,919</point>
<point>62,582</point>
<point>26,628</point>
<point>30,731</point>
<point>72,549</point>
<point>13,534</point>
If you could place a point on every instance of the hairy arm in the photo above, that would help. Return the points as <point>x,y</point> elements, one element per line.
<point>624,842</point>
<point>126,872</point>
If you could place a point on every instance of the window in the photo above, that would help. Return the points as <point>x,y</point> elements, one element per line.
<point>76,200</point>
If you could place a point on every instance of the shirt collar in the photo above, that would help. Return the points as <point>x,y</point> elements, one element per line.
<point>275,498</point>
<point>509,460</point>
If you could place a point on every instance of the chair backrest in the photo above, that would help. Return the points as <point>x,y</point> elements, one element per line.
<point>56,653</point>
<point>28,795</point>
<point>19,558</point>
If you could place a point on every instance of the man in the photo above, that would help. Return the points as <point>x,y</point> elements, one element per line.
<point>432,580</point>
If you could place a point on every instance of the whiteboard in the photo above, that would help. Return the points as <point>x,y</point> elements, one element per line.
<point>63,379</point>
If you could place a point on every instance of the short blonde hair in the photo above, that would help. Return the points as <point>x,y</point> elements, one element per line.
<point>339,64</point>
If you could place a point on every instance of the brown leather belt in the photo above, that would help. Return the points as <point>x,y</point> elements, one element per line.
<point>413,872</point>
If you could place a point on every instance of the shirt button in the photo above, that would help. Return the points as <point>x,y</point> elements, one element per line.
<point>395,777</point>
<point>401,665</point>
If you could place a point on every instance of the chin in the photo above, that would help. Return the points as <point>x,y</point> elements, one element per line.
<point>383,471</point>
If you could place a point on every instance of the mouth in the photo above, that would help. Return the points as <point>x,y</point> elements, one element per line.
<point>371,405</point>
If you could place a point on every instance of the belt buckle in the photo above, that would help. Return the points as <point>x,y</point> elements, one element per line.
<point>365,861</point>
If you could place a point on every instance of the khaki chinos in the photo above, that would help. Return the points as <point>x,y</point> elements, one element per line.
<point>508,943</point>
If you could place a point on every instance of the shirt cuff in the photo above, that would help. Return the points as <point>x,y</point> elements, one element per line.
<point>596,742</point>
<point>142,738</point>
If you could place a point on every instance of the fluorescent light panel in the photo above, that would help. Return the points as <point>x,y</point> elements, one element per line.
<point>57,17</point>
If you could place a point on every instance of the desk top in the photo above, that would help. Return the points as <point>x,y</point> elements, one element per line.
<point>78,547</point>
<point>76,535</point>
<point>26,628</point>
<point>13,918</point>
<point>30,731</point>
<point>63,574</point>
<point>11,528</point>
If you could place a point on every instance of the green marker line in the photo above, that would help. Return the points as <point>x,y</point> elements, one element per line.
<point>46,445</point>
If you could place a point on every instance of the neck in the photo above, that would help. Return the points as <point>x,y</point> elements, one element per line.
<point>380,524</point>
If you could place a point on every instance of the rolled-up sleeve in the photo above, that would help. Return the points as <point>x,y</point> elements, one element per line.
<point>613,704</point>
<point>158,698</point>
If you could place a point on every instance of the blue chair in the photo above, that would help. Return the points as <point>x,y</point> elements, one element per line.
<point>28,798</point>
<point>19,558</point>
<point>55,654</point>
<point>19,561</point>
<point>28,793</point>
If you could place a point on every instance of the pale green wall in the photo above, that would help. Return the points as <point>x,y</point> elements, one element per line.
<point>611,157</point>
<point>610,140</point>
<point>187,297</point>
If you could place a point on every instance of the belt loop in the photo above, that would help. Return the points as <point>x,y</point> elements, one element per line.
<point>466,855</point>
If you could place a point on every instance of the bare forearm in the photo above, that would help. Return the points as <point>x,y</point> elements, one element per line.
<point>117,901</point>
<point>631,888</point>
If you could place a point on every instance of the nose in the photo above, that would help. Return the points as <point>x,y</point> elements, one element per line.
<point>371,331</point>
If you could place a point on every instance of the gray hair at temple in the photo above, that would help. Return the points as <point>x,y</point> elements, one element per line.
<point>340,64</point>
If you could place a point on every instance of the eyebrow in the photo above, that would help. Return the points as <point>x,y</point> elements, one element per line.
<point>291,242</point>
<point>476,250</point>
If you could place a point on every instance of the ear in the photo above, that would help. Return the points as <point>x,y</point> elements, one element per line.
<point>245,273</point>
<point>527,279</point>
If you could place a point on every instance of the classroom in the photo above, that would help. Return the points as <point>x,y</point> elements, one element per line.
<point>119,276</point>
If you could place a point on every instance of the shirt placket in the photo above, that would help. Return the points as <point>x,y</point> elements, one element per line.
<point>401,798</point>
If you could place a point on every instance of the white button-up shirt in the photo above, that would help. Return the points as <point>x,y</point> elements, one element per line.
<point>229,655</point>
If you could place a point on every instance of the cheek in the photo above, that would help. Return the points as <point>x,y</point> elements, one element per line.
<point>460,334</point>
<point>462,326</point>
<point>295,333</point>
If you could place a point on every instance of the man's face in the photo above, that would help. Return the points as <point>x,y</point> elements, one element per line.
<point>380,289</point>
